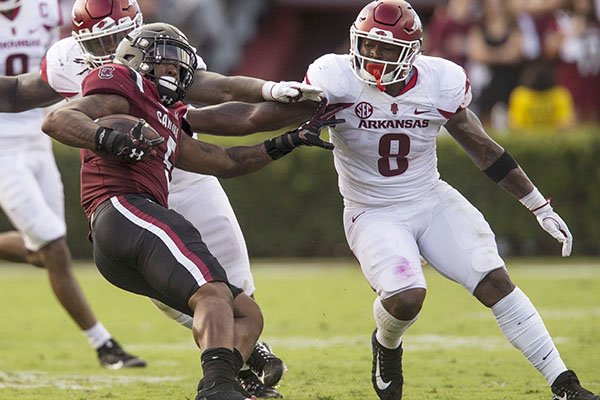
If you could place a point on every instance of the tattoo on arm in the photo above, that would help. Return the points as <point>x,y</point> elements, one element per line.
<point>205,158</point>
<point>74,124</point>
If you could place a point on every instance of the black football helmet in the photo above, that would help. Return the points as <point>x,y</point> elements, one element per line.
<point>159,43</point>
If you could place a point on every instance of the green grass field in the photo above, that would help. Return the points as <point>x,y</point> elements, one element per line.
<point>318,319</point>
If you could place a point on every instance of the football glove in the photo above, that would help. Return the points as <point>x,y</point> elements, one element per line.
<point>308,134</point>
<point>131,146</point>
<point>552,223</point>
<point>290,92</point>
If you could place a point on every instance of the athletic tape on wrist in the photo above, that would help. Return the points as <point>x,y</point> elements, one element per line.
<point>267,90</point>
<point>534,200</point>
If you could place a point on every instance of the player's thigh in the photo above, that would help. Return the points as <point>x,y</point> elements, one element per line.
<point>203,202</point>
<point>386,250</point>
<point>458,242</point>
<point>162,246</point>
<point>28,201</point>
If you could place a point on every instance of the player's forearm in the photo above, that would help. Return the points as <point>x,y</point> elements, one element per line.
<point>8,89</point>
<point>246,159</point>
<point>71,127</point>
<point>212,88</point>
<point>240,119</point>
<point>25,92</point>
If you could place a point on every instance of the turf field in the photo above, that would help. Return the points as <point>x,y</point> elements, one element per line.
<point>318,319</point>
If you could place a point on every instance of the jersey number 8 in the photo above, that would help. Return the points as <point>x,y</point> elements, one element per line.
<point>393,149</point>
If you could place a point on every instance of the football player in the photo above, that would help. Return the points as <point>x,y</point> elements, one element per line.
<point>31,191</point>
<point>142,246</point>
<point>396,206</point>
<point>97,28</point>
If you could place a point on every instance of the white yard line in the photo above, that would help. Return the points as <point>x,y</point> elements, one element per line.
<point>38,379</point>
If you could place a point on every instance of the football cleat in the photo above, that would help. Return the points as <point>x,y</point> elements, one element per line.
<point>386,374</point>
<point>567,387</point>
<point>225,390</point>
<point>254,386</point>
<point>112,356</point>
<point>266,365</point>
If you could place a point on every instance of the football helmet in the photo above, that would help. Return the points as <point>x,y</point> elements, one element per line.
<point>158,43</point>
<point>392,22</point>
<point>7,5</point>
<point>99,26</point>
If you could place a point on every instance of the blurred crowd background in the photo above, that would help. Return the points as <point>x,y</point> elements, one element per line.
<point>534,67</point>
<point>533,64</point>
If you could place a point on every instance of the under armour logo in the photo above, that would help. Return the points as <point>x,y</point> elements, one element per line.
<point>136,154</point>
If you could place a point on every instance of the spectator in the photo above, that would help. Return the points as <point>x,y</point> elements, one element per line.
<point>576,48</point>
<point>448,30</point>
<point>496,42</point>
<point>218,29</point>
<point>539,103</point>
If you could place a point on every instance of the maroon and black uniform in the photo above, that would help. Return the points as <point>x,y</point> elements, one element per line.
<point>139,244</point>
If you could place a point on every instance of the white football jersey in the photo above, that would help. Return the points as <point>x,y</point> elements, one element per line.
<point>386,150</point>
<point>23,43</point>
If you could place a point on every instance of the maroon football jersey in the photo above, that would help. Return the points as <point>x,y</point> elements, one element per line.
<point>103,177</point>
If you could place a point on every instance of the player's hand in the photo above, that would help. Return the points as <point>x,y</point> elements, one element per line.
<point>552,223</point>
<point>132,146</point>
<point>291,92</point>
<point>308,134</point>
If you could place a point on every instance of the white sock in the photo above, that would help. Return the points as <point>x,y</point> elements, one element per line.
<point>389,329</point>
<point>97,335</point>
<point>181,318</point>
<point>523,327</point>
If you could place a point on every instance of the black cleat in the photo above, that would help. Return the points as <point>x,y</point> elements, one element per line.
<point>567,387</point>
<point>267,366</point>
<point>254,386</point>
<point>226,390</point>
<point>386,374</point>
<point>112,356</point>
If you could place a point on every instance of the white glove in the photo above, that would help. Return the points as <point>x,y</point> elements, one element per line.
<point>290,92</point>
<point>552,223</point>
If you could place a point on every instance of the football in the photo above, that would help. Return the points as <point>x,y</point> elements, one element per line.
<point>124,123</point>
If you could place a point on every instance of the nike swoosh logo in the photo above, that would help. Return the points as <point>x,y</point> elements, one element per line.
<point>381,384</point>
<point>418,112</point>
<point>546,356</point>
<point>356,216</point>
<point>117,365</point>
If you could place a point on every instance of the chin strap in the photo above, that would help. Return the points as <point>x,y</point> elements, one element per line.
<point>376,70</point>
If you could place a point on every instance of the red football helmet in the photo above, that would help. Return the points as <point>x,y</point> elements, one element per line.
<point>7,5</point>
<point>393,22</point>
<point>99,26</point>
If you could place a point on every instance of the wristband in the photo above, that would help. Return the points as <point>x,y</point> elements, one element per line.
<point>279,146</point>
<point>534,200</point>
<point>501,167</point>
<point>103,139</point>
<point>267,89</point>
